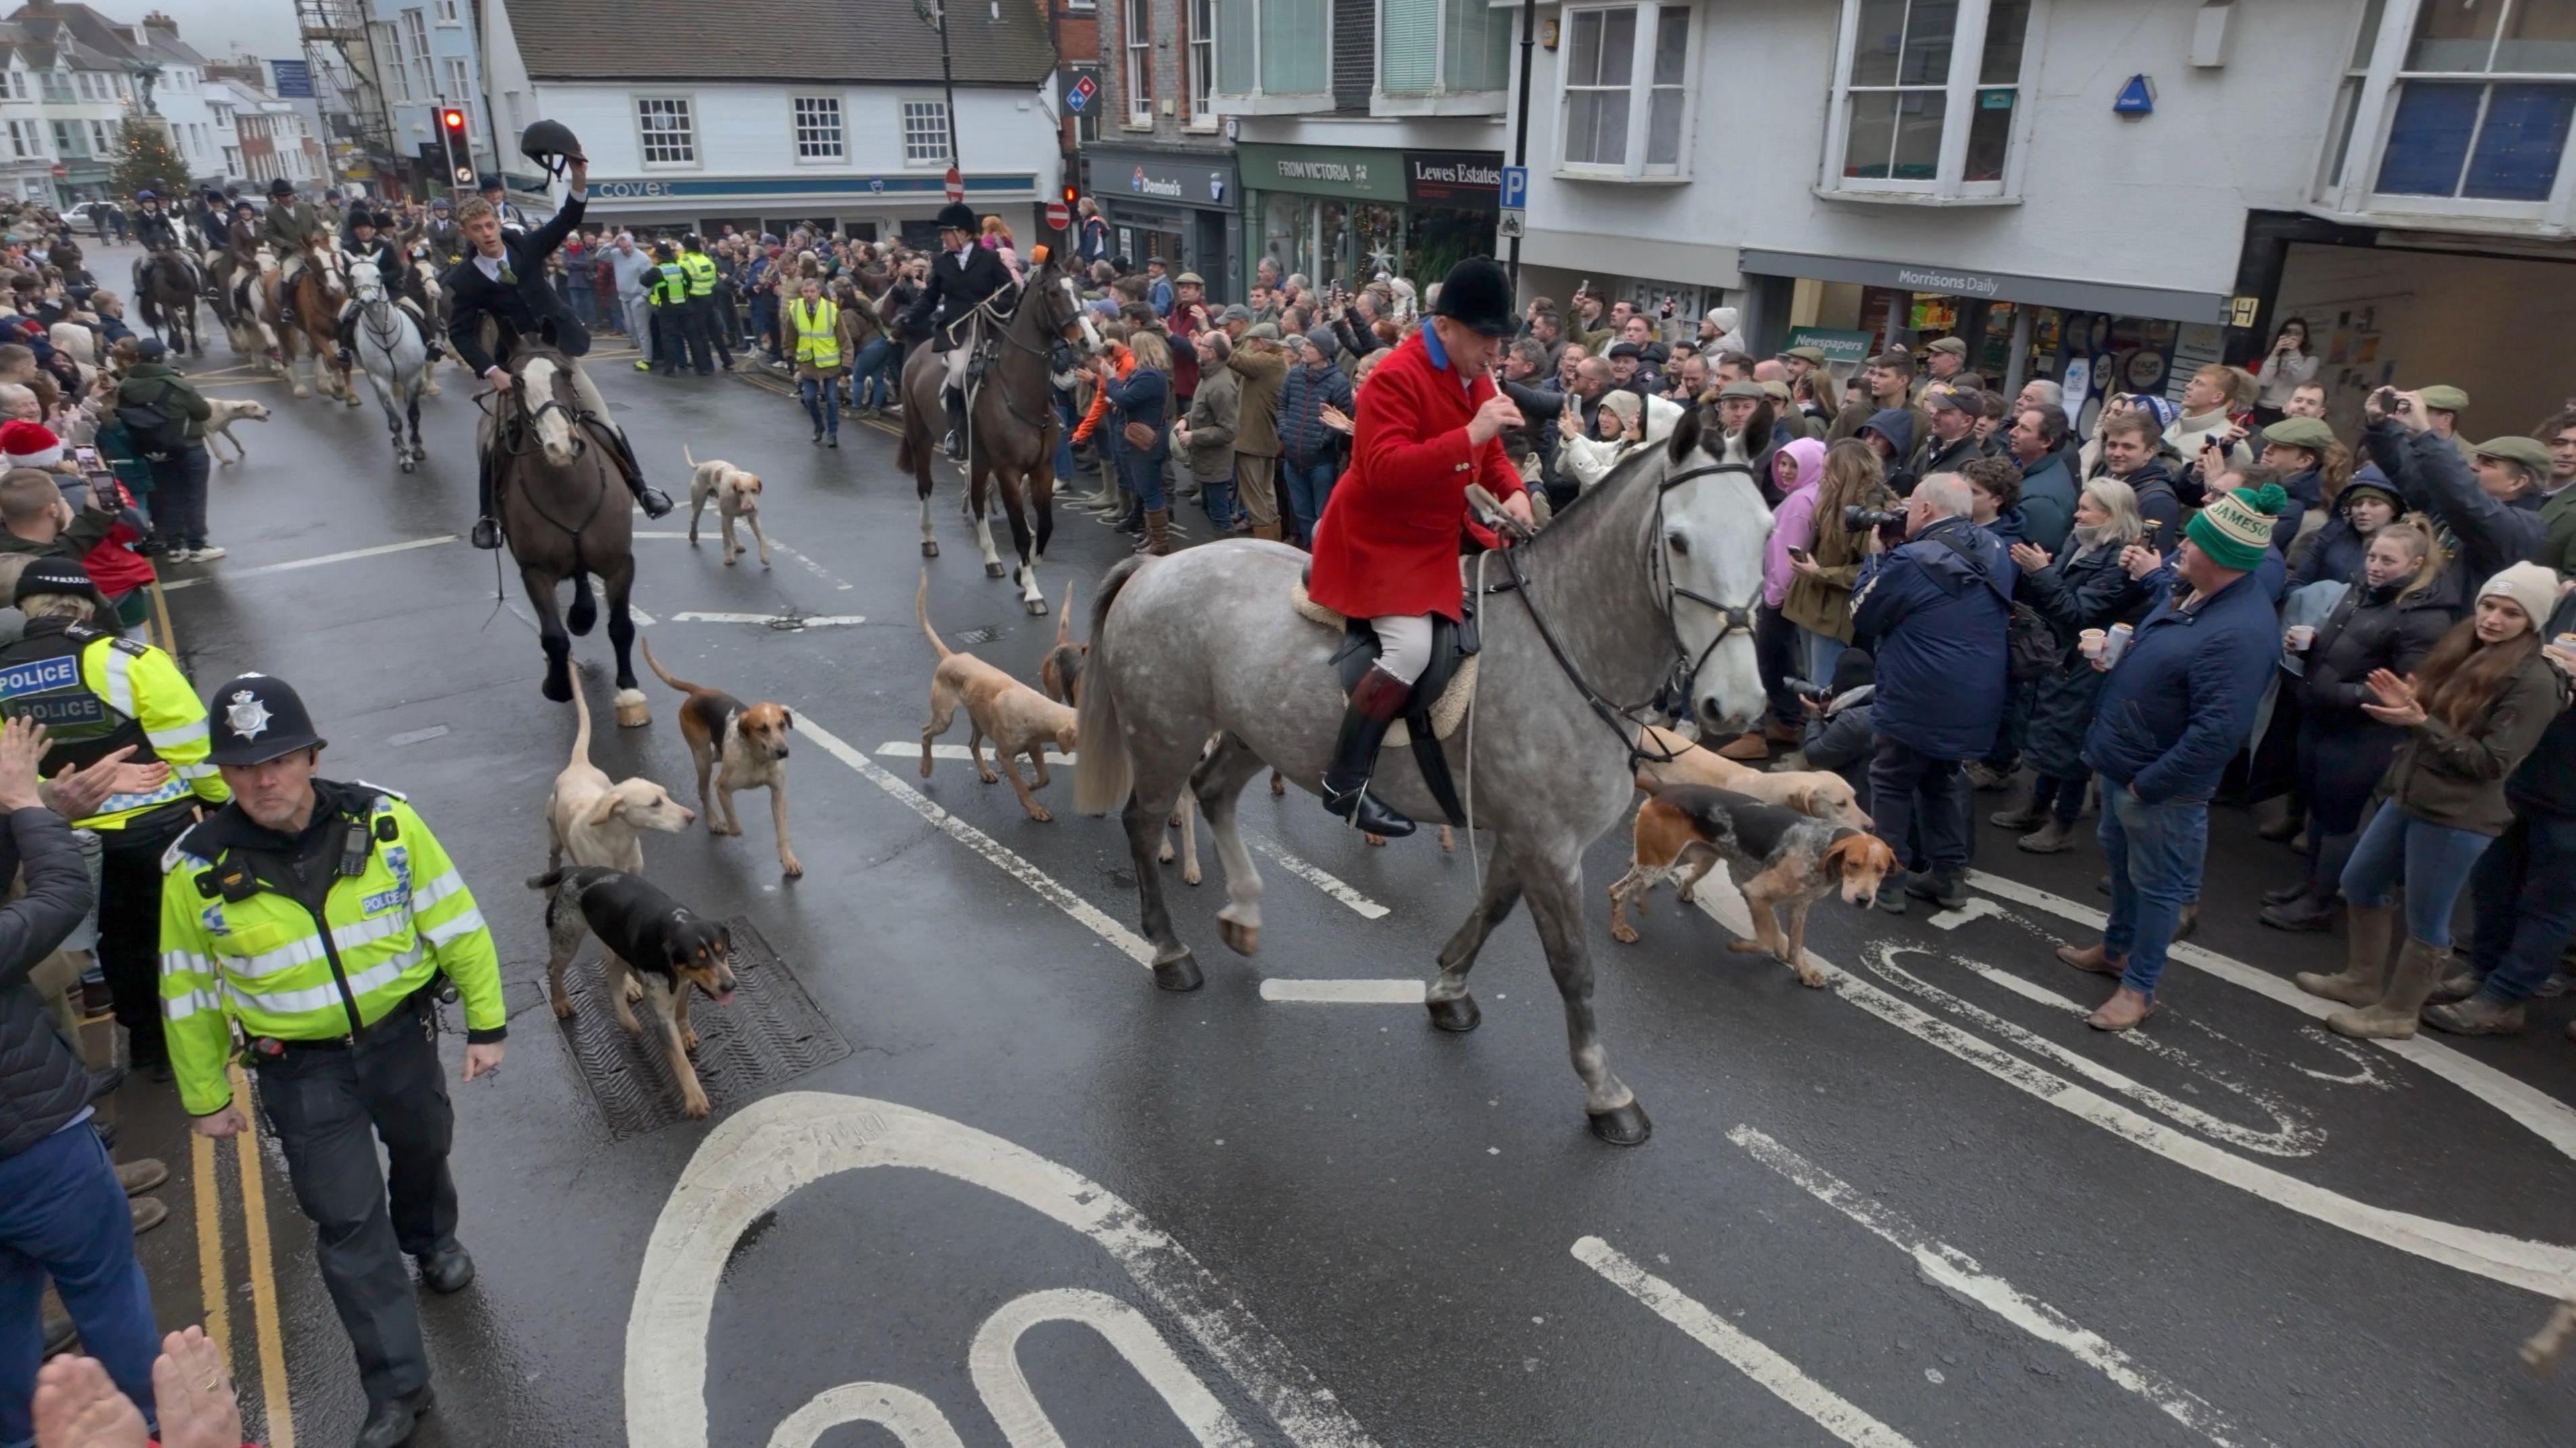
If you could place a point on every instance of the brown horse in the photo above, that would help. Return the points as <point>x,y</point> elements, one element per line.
<point>1012,425</point>
<point>564,510</point>
<point>319,290</point>
<point>166,290</point>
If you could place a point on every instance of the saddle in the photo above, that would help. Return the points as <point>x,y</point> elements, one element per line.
<point>1440,696</point>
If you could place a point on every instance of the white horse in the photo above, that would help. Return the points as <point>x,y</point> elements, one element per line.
<point>396,361</point>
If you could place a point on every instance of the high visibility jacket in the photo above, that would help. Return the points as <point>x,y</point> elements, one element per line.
<point>96,693</point>
<point>818,332</point>
<point>670,285</point>
<point>702,272</point>
<point>236,947</point>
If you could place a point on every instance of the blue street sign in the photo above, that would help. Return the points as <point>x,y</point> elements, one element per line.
<point>1515,189</point>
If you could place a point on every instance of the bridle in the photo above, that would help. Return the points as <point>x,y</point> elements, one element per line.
<point>1732,619</point>
<point>1002,328</point>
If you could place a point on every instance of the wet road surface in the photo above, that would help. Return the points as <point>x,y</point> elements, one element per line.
<point>1922,1205</point>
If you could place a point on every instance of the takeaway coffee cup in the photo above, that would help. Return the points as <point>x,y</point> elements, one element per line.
<point>2089,643</point>
<point>2301,636</point>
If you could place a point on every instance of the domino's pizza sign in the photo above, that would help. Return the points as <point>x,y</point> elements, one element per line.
<point>1078,94</point>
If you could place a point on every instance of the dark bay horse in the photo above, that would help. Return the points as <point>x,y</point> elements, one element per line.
<point>1012,425</point>
<point>167,286</point>
<point>565,512</point>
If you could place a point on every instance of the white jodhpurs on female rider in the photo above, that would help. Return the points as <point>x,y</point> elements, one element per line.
<point>1404,644</point>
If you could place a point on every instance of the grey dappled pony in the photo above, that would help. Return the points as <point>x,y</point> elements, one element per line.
<point>1658,566</point>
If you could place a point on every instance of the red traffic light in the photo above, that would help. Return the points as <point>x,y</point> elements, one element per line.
<point>1072,194</point>
<point>452,118</point>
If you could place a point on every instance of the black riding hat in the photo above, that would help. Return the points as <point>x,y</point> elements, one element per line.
<point>488,181</point>
<point>361,216</point>
<point>253,719</point>
<point>957,216</point>
<point>551,144</point>
<point>281,187</point>
<point>1478,295</point>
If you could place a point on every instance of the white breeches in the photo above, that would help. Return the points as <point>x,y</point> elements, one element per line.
<point>954,359</point>
<point>1404,644</point>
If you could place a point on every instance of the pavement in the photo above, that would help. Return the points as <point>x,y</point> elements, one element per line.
<point>1922,1205</point>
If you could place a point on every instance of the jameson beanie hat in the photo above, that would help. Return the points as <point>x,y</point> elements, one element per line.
<point>2236,529</point>
<point>30,445</point>
<point>2532,586</point>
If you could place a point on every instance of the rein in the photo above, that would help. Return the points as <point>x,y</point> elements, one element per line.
<point>1732,619</point>
<point>1002,323</point>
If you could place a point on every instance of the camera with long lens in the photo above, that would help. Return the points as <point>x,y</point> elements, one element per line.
<point>1887,522</point>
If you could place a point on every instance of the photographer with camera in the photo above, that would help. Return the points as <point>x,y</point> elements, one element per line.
<point>2492,507</point>
<point>1934,613</point>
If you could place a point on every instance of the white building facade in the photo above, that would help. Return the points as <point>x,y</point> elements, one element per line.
<point>2106,194</point>
<point>680,135</point>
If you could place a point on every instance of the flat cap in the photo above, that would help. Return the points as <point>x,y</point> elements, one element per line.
<point>2530,452</point>
<point>1951,345</point>
<point>2444,396</point>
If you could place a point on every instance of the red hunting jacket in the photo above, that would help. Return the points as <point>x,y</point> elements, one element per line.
<point>1388,540</point>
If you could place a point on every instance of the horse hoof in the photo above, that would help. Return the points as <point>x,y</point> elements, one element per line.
<point>1242,939</point>
<point>929,549</point>
<point>1623,1126</point>
<point>406,465</point>
<point>1179,973</point>
<point>633,711</point>
<point>992,570</point>
<point>1036,606</point>
<point>1457,1017</point>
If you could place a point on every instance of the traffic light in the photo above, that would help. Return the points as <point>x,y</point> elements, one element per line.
<point>452,119</point>
<point>1072,193</point>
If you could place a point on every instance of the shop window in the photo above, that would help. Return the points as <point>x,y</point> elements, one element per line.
<point>1432,48</point>
<point>1627,90</point>
<point>1274,55</point>
<point>1928,98</point>
<point>668,129</point>
<point>818,128</point>
<point>2457,108</point>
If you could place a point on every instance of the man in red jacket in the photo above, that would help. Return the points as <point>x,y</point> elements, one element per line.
<point>1386,550</point>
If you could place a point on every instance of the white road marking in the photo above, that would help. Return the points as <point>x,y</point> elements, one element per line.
<point>1780,1377</point>
<point>176,584</point>
<point>995,1363</point>
<point>772,620</point>
<point>1946,1266</point>
<point>1315,875</point>
<point>763,1154</point>
<point>817,569</point>
<point>1973,910</point>
<point>2542,1267</point>
<point>2547,1117</point>
<point>914,1420</point>
<point>898,749</point>
<point>1083,911</point>
<point>1344,992</point>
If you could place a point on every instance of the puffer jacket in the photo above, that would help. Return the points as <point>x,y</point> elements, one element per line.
<point>2181,701</point>
<point>43,1084</point>
<point>2074,593</point>
<point>2456,777</point>
<point>1935,615</point>
<point>1303,438</point>
<point>2372,628</point>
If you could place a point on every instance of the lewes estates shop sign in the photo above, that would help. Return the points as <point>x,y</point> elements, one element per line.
<point>1465,179</point>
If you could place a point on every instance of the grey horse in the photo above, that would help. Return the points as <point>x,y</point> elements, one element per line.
<point>1652,574</point>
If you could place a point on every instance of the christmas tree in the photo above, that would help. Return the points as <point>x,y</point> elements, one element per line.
<point>146,158</point>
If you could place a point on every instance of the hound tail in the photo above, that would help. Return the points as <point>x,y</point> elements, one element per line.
<point>581,731</point>
<point>683,685</point>
<point>1063,616</point>
<point>690,457</point>
<point>1102,773</point>
<point>921,610</point>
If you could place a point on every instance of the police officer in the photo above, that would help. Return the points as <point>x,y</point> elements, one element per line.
<point>318,917</point>
<point>961,277</point>
<point>699,317</point>
<point>668,292</point>
<point>98,692</point>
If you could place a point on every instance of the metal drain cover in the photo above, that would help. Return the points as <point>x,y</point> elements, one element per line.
<point>983,635</point>
<point>770,1033</point>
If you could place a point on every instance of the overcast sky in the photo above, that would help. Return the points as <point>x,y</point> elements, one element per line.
<point>265,28</point>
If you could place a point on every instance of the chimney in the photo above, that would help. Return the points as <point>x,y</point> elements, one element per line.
<point>163,23</point>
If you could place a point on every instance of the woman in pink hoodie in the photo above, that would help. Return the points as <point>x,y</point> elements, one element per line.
<point>1796,469</point>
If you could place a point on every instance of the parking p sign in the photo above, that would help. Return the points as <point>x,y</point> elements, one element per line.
<point>1515,189</point>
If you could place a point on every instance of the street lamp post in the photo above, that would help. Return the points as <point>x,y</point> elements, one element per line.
<point>1520,120</point>
<point>934,13</point>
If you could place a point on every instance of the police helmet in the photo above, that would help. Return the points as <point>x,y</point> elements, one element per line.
<point>957,216</point>
<point>693,242</point>
<point>551,144</point>
<point>253,719</point>
<point>281,187</point>
<point>50,574</point>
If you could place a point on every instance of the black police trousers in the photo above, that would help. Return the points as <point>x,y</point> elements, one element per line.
<point>328,1106</point>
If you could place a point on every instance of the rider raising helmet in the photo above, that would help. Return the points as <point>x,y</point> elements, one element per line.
<point>505,279</point>
<point>962,276</point>
<point>1386,550</point>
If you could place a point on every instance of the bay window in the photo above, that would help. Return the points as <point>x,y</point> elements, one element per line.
<point>1627,91</point>
<point>1928,99</point>
<point>1274,55</point>
<point>2458,108</point>
<point>1433,48</point>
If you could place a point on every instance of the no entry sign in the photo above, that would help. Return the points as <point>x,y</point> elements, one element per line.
<point>956,185</point>
<point>1057,216</point>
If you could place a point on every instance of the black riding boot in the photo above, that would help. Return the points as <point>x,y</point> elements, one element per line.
<point>653,501</point>
<point>1377,702</point>
<point>956,401</point>
<point>348,339</point>
<point>487,529</point>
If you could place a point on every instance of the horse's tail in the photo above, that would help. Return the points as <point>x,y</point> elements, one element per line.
<point>921,610</point>
<point>683,685</point>
<point>1102,773</point>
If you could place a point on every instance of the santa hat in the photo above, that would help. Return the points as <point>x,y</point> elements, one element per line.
<point>30,445</point>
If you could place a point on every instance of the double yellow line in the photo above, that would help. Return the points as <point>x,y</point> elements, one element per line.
<point>268,1337</point>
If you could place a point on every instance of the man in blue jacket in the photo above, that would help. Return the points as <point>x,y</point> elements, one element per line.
<point>1934,613</point>
<point>2176,708</point>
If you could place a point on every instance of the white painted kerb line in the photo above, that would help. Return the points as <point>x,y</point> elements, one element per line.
<point>1343,992</point>
<point>380,549</point>
<point>781,622</point>
<point>1780,1377</point>
<point>1046,886</point>
<point>1946,1266</point>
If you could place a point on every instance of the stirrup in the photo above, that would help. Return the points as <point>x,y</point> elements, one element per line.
<point>487,533</point>
<point>653,501</point>
<point>1365,812</point>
